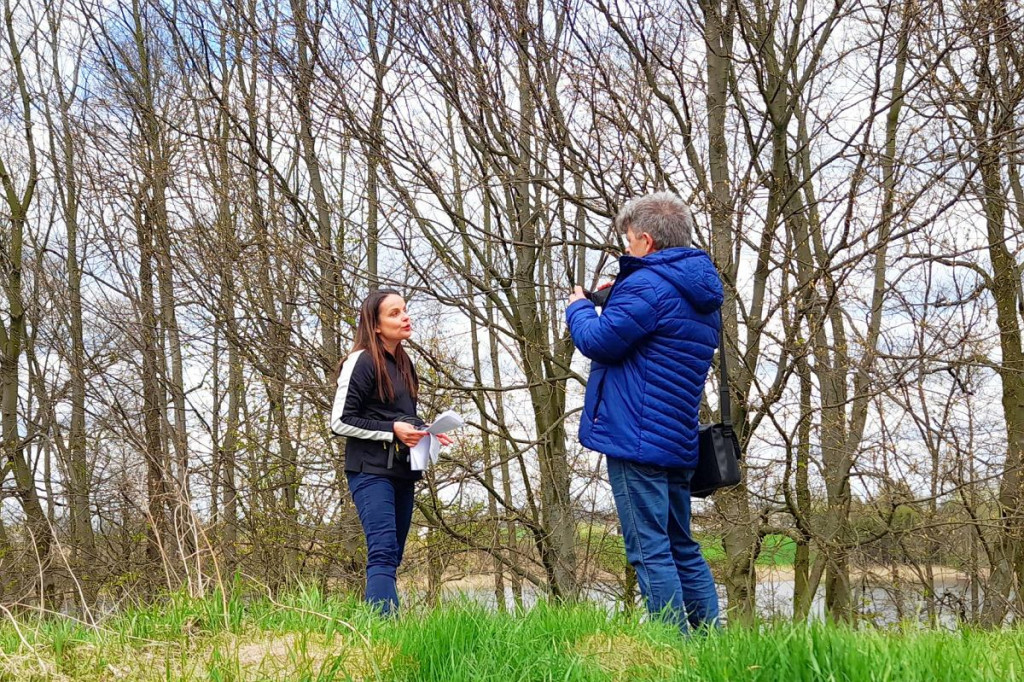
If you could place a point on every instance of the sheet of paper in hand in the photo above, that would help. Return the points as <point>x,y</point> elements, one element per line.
<point>425,452</point>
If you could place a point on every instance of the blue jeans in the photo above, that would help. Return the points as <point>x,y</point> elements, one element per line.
<point>654,510</point>
<point>384,505</point>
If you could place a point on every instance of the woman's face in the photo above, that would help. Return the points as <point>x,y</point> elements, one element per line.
<point>393,324</point>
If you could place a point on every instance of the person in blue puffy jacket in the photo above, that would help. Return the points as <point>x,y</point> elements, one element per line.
<point>651,347</point>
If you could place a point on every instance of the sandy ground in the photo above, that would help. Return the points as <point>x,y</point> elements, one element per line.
<point>880,575</point>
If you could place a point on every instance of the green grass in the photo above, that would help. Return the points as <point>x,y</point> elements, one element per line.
<point>776,550</point>
<point>311,636</point>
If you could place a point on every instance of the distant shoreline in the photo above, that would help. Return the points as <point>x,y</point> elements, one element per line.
<point>876,575</point>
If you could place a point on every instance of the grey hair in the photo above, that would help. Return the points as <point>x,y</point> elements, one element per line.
<point>662,215</point>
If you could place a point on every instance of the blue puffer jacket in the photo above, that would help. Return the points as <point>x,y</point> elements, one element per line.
<point>651,348</point>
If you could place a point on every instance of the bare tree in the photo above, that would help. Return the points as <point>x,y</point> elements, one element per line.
<point>19,177</point>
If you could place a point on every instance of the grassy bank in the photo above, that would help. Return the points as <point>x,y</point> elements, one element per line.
<point>308,636</point>
<point>776,550</point>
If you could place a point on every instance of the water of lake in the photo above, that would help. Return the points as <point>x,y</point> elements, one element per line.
<point>877,601</point>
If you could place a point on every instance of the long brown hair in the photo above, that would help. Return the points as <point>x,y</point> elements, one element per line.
<point>368,340</point>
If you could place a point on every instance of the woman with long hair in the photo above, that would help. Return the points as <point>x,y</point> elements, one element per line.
<point>375,409</point>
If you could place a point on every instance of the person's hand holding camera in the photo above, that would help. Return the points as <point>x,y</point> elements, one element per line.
<point>598,297</point>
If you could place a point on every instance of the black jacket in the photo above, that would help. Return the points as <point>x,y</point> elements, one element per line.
<point>368,422</point>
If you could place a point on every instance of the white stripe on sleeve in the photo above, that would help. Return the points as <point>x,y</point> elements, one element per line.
<point>337,425</point>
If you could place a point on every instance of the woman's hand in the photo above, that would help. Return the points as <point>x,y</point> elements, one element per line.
<point>445,439</point>
<point>407,433</point>
<point>577,295</point>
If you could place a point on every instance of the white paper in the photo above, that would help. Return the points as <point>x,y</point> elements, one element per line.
<point>445,422</point>
<point>424,453</point>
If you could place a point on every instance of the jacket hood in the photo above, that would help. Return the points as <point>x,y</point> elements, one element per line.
<point>690,271</point>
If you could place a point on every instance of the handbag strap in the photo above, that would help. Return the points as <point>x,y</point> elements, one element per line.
<point>724,406</point>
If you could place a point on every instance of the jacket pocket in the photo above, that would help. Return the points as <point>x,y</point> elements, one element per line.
<point>595,391</point>
<point>650,470</point>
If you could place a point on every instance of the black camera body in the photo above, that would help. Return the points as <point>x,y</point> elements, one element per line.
<point>599,296</point>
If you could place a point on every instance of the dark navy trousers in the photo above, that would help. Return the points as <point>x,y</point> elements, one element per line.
<point>385,506</point>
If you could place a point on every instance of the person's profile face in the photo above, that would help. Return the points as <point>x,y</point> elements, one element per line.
<point>393,321</point>
<point>638,245</point>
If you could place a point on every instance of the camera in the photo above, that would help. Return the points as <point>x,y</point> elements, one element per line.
<point>600,295</point>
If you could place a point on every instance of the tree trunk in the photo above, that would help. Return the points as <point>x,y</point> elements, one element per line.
<point>803,587</point>
<point>12,336</point>
<point>156,484</point>
<point>1004,291</point>
<point>68,179</point>
<point>558,544</point>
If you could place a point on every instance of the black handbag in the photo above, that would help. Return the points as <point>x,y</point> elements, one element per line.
<point>718,450</point>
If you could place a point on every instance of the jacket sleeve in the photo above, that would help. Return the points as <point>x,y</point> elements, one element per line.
<point>355,385</point>
<point>630,315</point>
